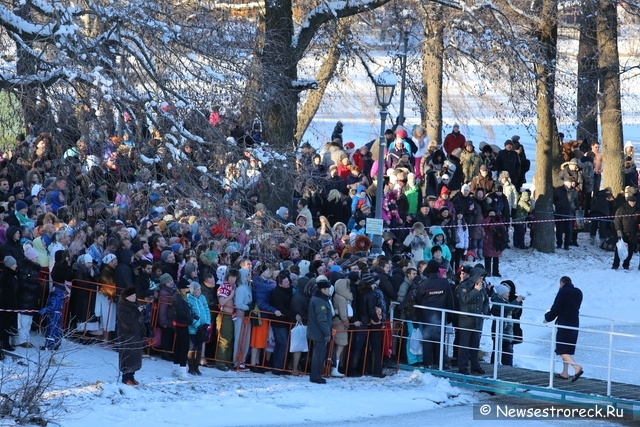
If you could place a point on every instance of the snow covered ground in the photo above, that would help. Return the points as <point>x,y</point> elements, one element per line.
<point>90,394</point>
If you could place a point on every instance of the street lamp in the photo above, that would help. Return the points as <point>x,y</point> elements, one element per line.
<point>385,84</point>
<point>407,30</point>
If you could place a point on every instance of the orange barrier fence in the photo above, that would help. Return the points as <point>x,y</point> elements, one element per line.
<point>365,346</point>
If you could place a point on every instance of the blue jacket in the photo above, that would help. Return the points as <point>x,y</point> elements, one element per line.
<point>261,295</point>
<point>199,308</point>
<point>446,253</point>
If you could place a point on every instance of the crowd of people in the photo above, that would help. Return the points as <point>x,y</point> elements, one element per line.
<point>110,235</point>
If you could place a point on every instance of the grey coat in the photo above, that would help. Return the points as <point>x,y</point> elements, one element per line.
<point>130,340</point>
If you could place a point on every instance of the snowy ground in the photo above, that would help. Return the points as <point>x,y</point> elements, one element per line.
<point>91,394</point>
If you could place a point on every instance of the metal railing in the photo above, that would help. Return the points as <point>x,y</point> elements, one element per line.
<point>614,346</point>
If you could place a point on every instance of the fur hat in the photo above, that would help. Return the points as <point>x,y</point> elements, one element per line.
<point>131,290</point>
<point>362,243</point>
<point>322,282</point>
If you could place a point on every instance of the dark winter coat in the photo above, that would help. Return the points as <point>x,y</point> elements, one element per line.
<point>181,311</point>
<point>472,301</point>
<point>30,290</point>
<point>476,232</point>
<point>124,272</point>
<point>142,282</point>
<point>9,297</point>
<point>508,161</point>
<point>600,206</point>
<point>11,247</point>
<point>389,292</point>
<point>366,307</point>
<point>465,205</point>
<point>566,312</point>
<point>300,304</point>
<point>280,299</point>
<point>567,174</point>
<point>565,200</point>
<point>130,339</point>
<point>319,325</point>
<point>165,307</point>
<point>628,225</point>
<point>488,248</point>
<point>337,211</point>
<point>433,292</point>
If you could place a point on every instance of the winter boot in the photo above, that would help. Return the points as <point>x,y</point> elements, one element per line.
<point>191,361</point>
<point>334,370</point>
<point>196,363</point>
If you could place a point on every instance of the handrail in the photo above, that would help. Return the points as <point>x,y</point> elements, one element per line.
<point>497,337</point>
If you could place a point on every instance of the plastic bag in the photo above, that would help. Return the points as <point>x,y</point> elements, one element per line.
<point>415,343</point>
<point>623,249</point>
<point>299,339</point>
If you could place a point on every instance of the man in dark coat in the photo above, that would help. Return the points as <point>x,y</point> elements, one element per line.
<point>12,246</point>
<point>626,224</point>
<point>564,202</point>
<point>124,273</point>
<point>435,292</point>
<point>130,341</point>
<point>319,328</point>
<point>565,311</point>
<point>8,301</point>
<point>508,160</point>
<point>474,299</point>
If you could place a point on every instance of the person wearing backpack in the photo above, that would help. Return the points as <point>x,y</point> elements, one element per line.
<point>493,243</point>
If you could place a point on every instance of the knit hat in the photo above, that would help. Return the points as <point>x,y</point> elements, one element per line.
<point>9,261</point>
<point>508,142</point>
<point>108,258</point>
<point>193,287</point>
<point>164,255</point>
<point>165,278</point>
<point>135,248</point>
<point>30,253</point>
<point>457,152</point>
<point>335,269</point>
<point>322,282</point>
<point>21,205</point>
<point>466,187</point>
<point>176,247</point>
<point>260,207</point>
<point>432,266</point>
<point>131,290</point>
<point>368,279</point>
<point>501,289</point>
<point>515,138</point>
<point>360,189</point>
<point>189,269</point>
<point>445,176</point>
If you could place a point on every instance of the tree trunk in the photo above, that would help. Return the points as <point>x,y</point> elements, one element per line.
<point>547,133</point>
<point>432,72</point>
<point>587,101</point>
<point>610,104</point>
<point>324,76</point>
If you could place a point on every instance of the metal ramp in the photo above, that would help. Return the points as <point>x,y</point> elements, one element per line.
<point>526,383</point>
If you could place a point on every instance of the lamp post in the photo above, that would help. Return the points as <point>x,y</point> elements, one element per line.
<point>385,84</point>
<point>404,70</point>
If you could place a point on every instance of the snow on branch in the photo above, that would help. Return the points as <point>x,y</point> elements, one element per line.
<point>325,12</point>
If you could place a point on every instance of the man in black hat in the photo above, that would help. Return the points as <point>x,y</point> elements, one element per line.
<point>474,299</point>
<point>319,328</point>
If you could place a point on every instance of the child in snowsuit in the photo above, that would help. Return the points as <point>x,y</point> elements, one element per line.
<point>54,324</point>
